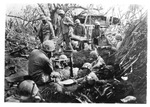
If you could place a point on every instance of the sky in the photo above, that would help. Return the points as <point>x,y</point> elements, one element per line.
<point>16,7</point>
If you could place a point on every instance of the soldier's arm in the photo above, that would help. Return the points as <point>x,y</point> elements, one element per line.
<point>92,33</point>
<point>83,31</point>
<point>48,66</point>
<point>75,31</point>
<point>52,30</point>
<point>71,30</point>
<point>39,31</point>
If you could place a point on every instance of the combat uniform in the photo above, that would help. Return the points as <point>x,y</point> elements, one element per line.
<point>67,31</point>
<point>46,32</point>
<point>95,33</point>
<point>80,31</point>
<point>39,65</point>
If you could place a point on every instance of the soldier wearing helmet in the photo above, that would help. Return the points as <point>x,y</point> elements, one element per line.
<point>66,29</point>
<point>46,31</point>
<point>79,30</point>
<point>63,58</point>
<point>118,39</point>
<point>96,32</point>
<point>61,62</point>
<point>40,64</point>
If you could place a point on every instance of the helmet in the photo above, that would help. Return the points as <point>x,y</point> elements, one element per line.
<point>48,18</point>
<point>28,87</point>
<point>60,12</point>
<point>94,54</point>
<point>77,21</point>
<point>43,17</point>
<point>97,23</point>
<point>63,57</point>
<point>86,65</point>
<point>118,37</point>
<point>48,46</point>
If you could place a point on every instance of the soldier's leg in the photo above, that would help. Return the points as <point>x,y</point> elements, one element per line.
<point>46,37</point>
<point>68,42</point>
<point>39,77</point>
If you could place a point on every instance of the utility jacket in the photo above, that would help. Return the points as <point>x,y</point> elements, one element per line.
<point>39,63</point>
<point>79,30</point>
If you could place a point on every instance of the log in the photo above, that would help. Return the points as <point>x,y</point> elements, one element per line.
<point>23,18</point>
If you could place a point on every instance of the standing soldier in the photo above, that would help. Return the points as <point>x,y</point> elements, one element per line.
<point>46,31</point>
<point>96,33</point>
<point>80,31</point>
<point>66,29</point>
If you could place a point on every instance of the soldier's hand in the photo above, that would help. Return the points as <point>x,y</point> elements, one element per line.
<point>36,38</point>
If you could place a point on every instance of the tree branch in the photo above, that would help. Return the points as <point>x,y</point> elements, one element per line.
<point>22,18</point>
<point>42,9</point>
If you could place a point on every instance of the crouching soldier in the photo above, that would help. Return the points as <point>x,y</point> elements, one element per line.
<point>40,64</point>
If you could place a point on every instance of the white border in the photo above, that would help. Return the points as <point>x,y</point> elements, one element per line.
<point>2,32</point>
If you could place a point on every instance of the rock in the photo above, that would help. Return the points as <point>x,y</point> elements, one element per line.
<point>128,99</point>
<point>12,99</point>
<point>16,77</point>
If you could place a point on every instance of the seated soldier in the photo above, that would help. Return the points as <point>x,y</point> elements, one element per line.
<point>40,65</point>
<point>118,39</point>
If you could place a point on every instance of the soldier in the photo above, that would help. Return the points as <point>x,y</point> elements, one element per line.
<point>79,28</point>
<point>118,41</point>
<point>96,32</point>
<point>66,29</point>
<point>40,64</point>
<point>46,31</point>
<point>80,31</point>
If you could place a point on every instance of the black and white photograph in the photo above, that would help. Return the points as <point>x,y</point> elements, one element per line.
<point>66,52</point>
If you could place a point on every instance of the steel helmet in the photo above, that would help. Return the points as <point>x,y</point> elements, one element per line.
<point>48,18</point>
<point>63,57</point>
<point>48,46</point>
<point>28,87</point>
<point>97,23</point>
<point>94,54</point>
<point>77,21</point>
<point>43,17</point>
<point>86,65</point>
<point>60,12</point>
<point>118,37</point>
